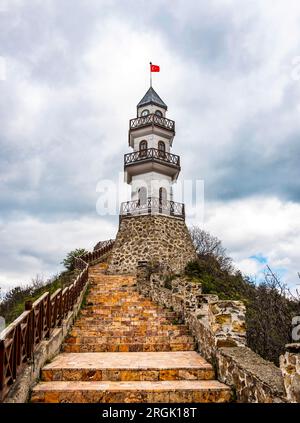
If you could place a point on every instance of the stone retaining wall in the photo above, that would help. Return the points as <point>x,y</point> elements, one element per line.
<point>290,367</point>
<point>157,239</point>
<point>253,378</point>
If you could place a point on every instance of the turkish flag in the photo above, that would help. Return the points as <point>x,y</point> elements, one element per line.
<point>154,68</point>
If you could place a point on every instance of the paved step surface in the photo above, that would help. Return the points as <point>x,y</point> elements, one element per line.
<point>140,391</point>
<point>125,348</point>
<point>128,366</point>
<point>114,305</point>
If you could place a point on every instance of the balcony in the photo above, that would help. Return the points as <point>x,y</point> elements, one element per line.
<point>146,125</point>
<point>149,160</point>
<point>152,119</point>
<point>152,206</point>
<point>151,154</point>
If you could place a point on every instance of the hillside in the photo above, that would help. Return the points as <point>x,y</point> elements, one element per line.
<point>269,304</point>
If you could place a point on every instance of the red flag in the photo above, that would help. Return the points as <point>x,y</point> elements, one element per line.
<point>154,68</point>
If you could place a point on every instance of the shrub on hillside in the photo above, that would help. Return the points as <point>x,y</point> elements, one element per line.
<point>69,261</point>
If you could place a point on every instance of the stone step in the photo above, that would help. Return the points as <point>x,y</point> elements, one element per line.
<point>130,347</point>
<point>87,331</point>
<point>107,286</point>
<point>146,313</point>
<point>107,281</point>
<point>152,326</point>
<point>174,391</point>
<point>127,310</point>
<point>129,339</point>
<point>129,329</point>
<point>121,303</point>
<point>128,366</point>
<point>126,320</point>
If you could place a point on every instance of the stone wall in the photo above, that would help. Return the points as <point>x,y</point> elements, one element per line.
<point>220,332</point>
<point>253,378</point>
<point>155,238</point>
<point>290,367</point>
<point>213,322</point>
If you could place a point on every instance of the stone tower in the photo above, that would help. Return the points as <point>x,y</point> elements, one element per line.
<point>152,225</point>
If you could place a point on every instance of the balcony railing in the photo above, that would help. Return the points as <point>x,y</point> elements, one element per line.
<point>152,119</point>
<point>152,154</point>
<point>152,205</point>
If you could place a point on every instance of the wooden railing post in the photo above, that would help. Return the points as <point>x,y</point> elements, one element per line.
<point>29,332</point>
<point>48,316</point>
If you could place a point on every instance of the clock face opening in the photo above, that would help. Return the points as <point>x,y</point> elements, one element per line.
<point>145,112</point>
<point>158,113</point>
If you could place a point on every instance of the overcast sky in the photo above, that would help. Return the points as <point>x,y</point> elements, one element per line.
<point>71,74</point>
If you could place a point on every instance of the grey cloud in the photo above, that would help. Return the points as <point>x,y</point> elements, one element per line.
<point>52,159</point>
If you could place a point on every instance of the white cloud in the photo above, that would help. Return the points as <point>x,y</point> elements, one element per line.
<point>30,246</point>
<point>255,226</point>
<point>2,69</point>
<point>66,106</point>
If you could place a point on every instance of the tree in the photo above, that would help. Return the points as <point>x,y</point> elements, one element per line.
<point>69,261</point>
<point>208,246</point>
<point>270,310</point>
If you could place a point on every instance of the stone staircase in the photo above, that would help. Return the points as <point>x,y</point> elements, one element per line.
<point>125,348</point>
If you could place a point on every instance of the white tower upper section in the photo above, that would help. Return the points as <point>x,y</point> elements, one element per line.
<point>151,168</point>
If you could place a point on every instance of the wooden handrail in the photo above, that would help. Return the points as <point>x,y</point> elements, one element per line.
<point>21,338</point>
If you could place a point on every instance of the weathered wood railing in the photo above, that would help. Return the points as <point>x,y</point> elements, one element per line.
<point>20,339</point>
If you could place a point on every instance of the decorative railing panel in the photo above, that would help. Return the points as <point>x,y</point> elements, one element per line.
<point>20,339</point>
<point>153,206</point>
<point>152,119</point>
<point>151,154</point>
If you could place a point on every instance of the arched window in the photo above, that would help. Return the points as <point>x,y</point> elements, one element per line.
<point>158,113</point>
<point>145,112</point>
<point>142,193</point>
<point>143,148</point>
<point>161,149</point>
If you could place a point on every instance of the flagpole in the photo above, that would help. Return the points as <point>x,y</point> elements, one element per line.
<point>150,75</point>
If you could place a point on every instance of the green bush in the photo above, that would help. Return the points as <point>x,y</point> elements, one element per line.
<point>69,261</point>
